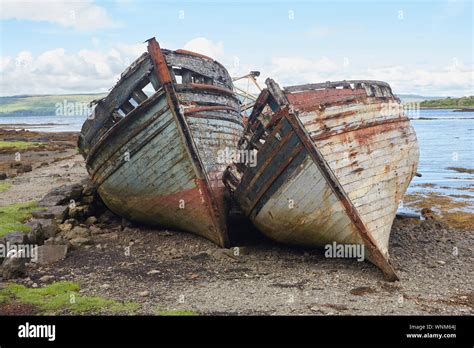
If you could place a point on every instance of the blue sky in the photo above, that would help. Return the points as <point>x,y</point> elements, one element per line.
<point>420,47</point>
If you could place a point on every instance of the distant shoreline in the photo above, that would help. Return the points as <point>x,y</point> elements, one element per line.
<point>447,108</point>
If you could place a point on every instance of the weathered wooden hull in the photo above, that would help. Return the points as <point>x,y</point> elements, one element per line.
<point>157,165</point>
<point>333,167</point>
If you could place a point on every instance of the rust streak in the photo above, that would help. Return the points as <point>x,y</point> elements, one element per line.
<point>208,108</point>
<point>191,53</point>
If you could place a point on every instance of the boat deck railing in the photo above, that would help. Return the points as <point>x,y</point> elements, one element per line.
<point>372,87</point>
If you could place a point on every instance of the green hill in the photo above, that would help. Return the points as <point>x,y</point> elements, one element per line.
<point>449,103</point>
<point>42,105</point>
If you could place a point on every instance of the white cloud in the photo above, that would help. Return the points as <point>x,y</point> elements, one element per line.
<point>57,71</point>
<point>206,47</point>
<point>81,15</point>
<point>454,80</point>
<point>4,62</point>
<point>97,69</point>
<point>450,80</point>
<point>293,70</point>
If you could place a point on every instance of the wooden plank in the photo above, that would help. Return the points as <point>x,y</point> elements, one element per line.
<point>139,96</point>
<point>126,107</point>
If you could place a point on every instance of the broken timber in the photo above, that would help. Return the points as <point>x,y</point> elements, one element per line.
<point>154,157</point>
<point>333,162</point>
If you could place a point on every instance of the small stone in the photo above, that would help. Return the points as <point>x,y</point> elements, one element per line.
<point>34,285</point>
<point>97,230</point>
<point>65,227</point>
<point>78,242</point>
<point>91,220</point>
<point>105,286</point>
<point>144,293</point>
<point>165,234</point>
<point>46,278</point>
<point>441,262</point>
<point>89,188</point>
<point>153,271</point>
<point>87,200</point>
<point>73,222</point>
<point>77,212</point>
<point>78,232</point>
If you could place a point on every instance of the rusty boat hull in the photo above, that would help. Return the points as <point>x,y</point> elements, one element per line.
<point>153,157</point>
<point>333,162</point>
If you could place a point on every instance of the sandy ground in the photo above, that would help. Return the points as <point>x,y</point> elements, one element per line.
<point>183,271</point>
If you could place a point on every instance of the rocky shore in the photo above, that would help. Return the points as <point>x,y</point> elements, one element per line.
<point>164,272</point>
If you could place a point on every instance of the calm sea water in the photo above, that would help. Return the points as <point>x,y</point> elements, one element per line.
<point>45,123</point>
<point>446,139</point>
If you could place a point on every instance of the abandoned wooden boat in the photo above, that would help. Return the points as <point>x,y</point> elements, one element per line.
<point>154,157</point>
<point>333,162</point>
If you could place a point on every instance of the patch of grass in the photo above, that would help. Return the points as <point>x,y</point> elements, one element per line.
<point>13,215</point>
<point>4,186</point>
<point>20,145</point>
<point>62,297</point>
<point>175,312</point>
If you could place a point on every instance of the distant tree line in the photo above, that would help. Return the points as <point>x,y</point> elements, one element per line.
<point>449,103</point>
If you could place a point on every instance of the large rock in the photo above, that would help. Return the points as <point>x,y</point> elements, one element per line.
<point>62,195</point>
<point>49,227</point>
<point>35,236</point>
<point>24,168</point>
<point>41,229</point>
<point>50,253</point>
<point>3,175</point>
<point>10,239</point>
<point>57,212</point>
<point>15,238</point>
<point>14,265</point>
